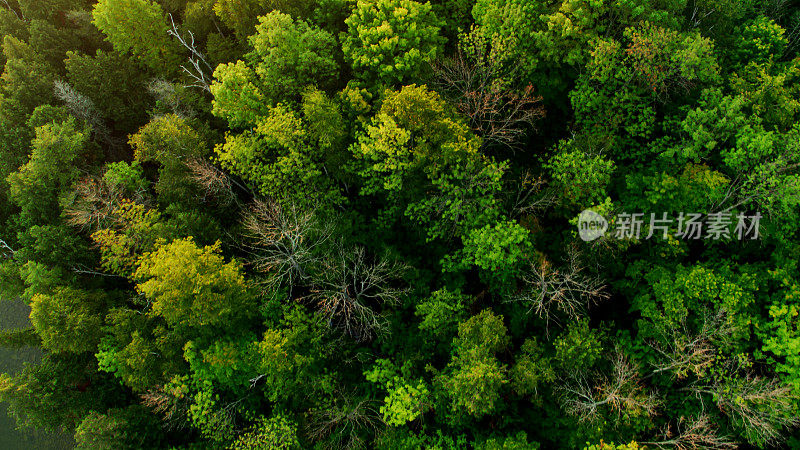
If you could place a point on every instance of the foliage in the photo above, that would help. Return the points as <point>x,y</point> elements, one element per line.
<point>389,41</point>
<point>352,224</point>
<point>138,28</point>
<point>191,286</point>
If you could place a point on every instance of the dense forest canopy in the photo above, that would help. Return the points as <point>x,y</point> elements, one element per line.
<point>489,224</point>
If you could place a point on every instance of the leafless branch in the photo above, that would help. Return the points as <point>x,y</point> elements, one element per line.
<point>622,392</point>
<point>683,351</point>
<point>698,432</point>
<point>344,424</point>
<point>530,197</point>
<point>84,271</point>
<point>6,249</point>
<point>166,93</point>
<point>93,202</point>
<point>283,240</point>
<point>172,407</point>
<point>762,407</point>
<point>197,60</point>
<point>83,108</point>
<point>19,15</point>
<point>549,291</point>
<point>498,114</point>
<point>214,182</point>
<point>350,288</point>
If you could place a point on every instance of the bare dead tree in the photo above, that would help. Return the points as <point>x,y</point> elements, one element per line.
<point>214,182</point>
<point>283,241</point>
<point>5,250</point>
<point>759,185</point>
<point>167,94</point>
<point>93,203</point>
<point>345,424</point>
<point>550,291</point>
<point>499,114</point>
<point>762,407</point>
<point>84,109</point>
<point>351,287</point>
<point>531,196</point>
<point>197,60</point>
<point>698,432</point>
<point>682,350</point>
<point>172,408</point>
<point>621,392</point>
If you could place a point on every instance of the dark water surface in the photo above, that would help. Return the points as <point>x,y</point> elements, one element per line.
<point>14,314</point>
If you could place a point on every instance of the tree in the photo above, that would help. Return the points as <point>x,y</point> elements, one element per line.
<point>545,42</point>
<point>689,296</point>
<point>531,369</point>
<point>287,55</point>
<point>623,87</point>
<point>277,432</point>
<point>759,407</point>
<point>95,78</point>
<point>68,320</point>
<point>51,42</point>
<point>94,200</point>
<point>442,312</point>
<point>390,41</point>
<point>551,291</point>
<point>693,432</point>
<point>126,428</point>
<point>139,28</point>
<point>56,392</point>
<point>27,80</point>
<point>350,287</point>
<point>51,169</point>
<point>193,287</point>
<point>278,160</point>
<point>622,393</point>
<point>580,176</point>
<point>171,141</point>
<point>284,242</point>
<point>133,230</point>
<point>496,250</point>
<point>277,152</point>
<point>475,376</point>
<point>475,81</point>
<point>422,159</point>
<point>140,351</point>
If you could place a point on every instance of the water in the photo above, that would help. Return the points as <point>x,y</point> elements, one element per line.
<point>14,314</point>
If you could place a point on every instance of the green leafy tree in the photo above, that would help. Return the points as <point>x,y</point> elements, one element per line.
<point>191,286</point>
<point>619,96</point>
<point>95,78</point>
<point>27,80</point>
<point>126,428</point>
<point>139,28</point>
<point>390,41</point>
<point>287,55</point>
<point>35,188</point>
<point>476,377</point>
<point>269,432</point>
<point>171,141</point>
<point>68,320</point>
